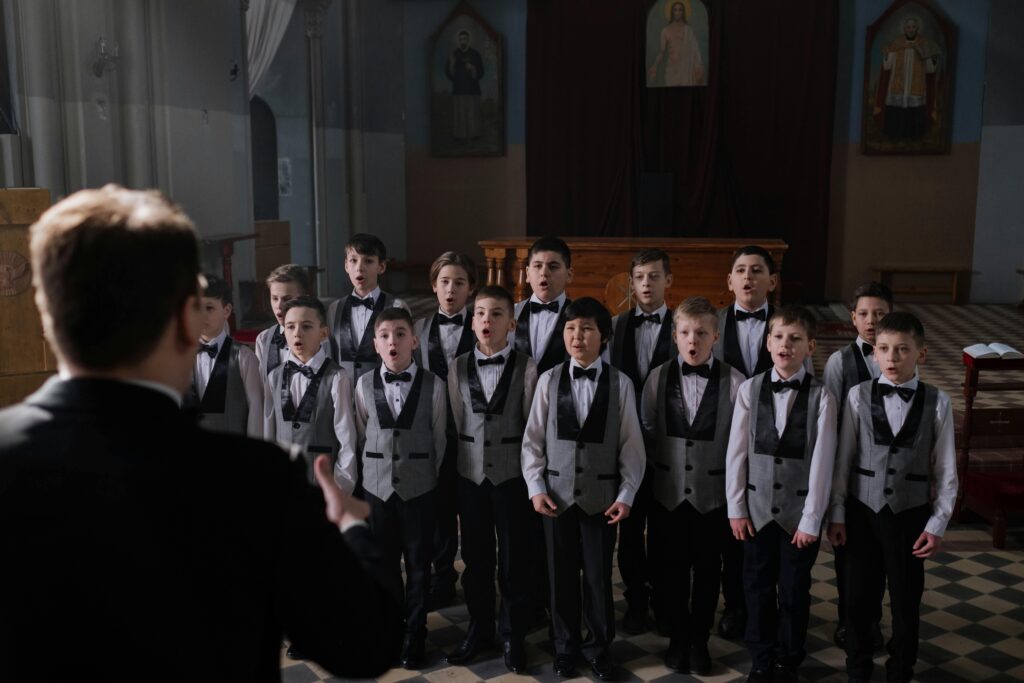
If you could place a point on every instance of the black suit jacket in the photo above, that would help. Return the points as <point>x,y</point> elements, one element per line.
<point>136,545</point>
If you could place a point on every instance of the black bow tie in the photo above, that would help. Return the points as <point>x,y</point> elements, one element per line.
<point>743,315</point>
<point>537,307</point>
<point>905,393</point>
<point>392,377</point>
<point>703,370</point>
<point>445,320</point>
<point>868,349</point>
<point>652,318</point>
<point>303,370</point>
<point>210,349</point>
<point>589,373</point>
<point>278,339</point>
<point>496,360</point>
<point>356,301</point>
<point>782,386</point>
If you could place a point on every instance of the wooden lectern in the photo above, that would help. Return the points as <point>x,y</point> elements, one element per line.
<point>601,266</point>
<point>25,357</point>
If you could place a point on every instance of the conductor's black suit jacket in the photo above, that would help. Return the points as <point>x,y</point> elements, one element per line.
<point>135,546</point>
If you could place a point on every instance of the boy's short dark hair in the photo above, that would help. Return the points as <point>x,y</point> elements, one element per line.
<point>695,307</point>
<point>111,268</point>
<point>589,307</point>
<point>900,321</point>
<point>306,301</point>
<point>754,250</point>
<point>645,256</point>
<point>367,245</point>
<point>497,292</point>
<point>555,244</point>
<point>393,314</point>
<point>795,315</point>
<point>875,290</point>
<point>217,288</point>
<point>454,258</point>
<point>290,272</point>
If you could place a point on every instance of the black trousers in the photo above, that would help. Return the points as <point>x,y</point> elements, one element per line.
<point>446,533</point>
<point>841,566</point>
<point>579,542</point>
<point>732,572</point>
<point>683,540</point>
<point>505,510</point>
<point>632,556</point>
<point>404,529</point>
<point>879,544</point>
<point>777,582</point>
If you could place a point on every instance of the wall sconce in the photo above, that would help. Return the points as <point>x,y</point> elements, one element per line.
<point>106,57</point>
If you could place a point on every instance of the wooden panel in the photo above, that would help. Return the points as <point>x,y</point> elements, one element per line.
<point>25,357</point>
<point>601,266</point>
<point>273,247</point>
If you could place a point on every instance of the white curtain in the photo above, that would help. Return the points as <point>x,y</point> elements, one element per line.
<point>266,22</point>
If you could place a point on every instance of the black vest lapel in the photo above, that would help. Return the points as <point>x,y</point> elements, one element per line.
<point>496,406</point>
<point>468,339</point>
<point>435,352</point>
<point>277,343</point>
<point>304,413</point>
<point>764,358</point>
<point>859,367</point>
<point>703,427</point>
<point>676,424</point>
<point>366,353</point>
<point>793,443</point>
<point>663,347</point>
<point>523,330</point>
<point>880,422</point>
<point>593,427</point>
<point>555,352</point>
<point>731,343</point>
<point>624,356</point>
<point>342,332</point>
<point>216,393</point>
<point>408,414</point>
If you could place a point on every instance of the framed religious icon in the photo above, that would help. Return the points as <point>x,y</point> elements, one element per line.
<point>467,96</point>
<point>908,81</point>
<point>677,44</point>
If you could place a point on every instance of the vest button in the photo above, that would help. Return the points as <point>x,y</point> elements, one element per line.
<point>893,450</point>
<point>689,468</point>
<point>778,461</point>
<point>357,365</point>
<point>687,491</point>
<point>689,444</point>
<point>891,471</point>
<point>888,491</point>
<point>576,492</point>
<point>490,464</point>
<point>487,443</point>
<point>396,433</point>
<point>775,511</point>
<point>489,418</point>
<point>395,456</point>
<point>579,470</point>
<point>580,445</point>
<point>296,425</point>
<point>394,480</point>
<point>776,486</point>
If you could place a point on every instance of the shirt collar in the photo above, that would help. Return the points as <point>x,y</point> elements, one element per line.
<point>411,370</point>
<point>661,311</point>
<point>737,308</point>
<point>314,363</point>
<point>909,384</point>
<point>219,339</point>
<point>798,375</point>
<point>708,362</point>
<point>479,355</point>
<point>375,294</point>
<point>599,364</point>
<point>861,342</point>
<point>560,299</point>
<point>463,312</point>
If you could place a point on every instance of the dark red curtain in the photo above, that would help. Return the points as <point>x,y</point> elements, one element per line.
<point>746,156</point>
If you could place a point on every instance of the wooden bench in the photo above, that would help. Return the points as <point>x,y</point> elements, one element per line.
<point>884,275</point>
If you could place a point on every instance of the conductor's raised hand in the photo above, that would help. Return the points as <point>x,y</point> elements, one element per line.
<point>617,512</point>
<point>543,504</point>
<point>342,508</point>
<point>742,528</point>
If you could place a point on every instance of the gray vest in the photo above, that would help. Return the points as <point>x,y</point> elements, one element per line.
<point>855,371</point>
<point>310,424</point>
<point>779,465</point>
<point>271,355</point>
<point>689,461</point>
<point>398,456</point>
<point>491,432</point>
<point>583,462</point>
<point>224,406</point>
<point>894,470</point>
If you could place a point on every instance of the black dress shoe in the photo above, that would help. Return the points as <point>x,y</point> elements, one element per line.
<point>602,667</point>
<point>565,666</point>
<point>294,653</point>
<point>634,622</point>
<point>515,656</point>
<point>784,674</point>
<point>732,624</point>
<point>700,659</point>
<point>468,649</point>
<point>412,652</point>
<point>839,637</point>
<point>678,657</point>
<point>759,676</point>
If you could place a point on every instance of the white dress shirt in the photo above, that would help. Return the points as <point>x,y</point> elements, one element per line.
<point>693,387</point>
<point>205,362</point>
<point>395,394</point>
<point>542,324</point>
<point>341,394</point>
<point>489,376</point>
<point>819,478</point>
<point>646,338</point>
<point>943,474</point>
<point>750,334</point>
<point>360,314</point>
<point>449,335</point>
<point>632,456</point>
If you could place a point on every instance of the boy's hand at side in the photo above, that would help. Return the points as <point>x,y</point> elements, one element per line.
<point>742,528</point>
<point>543,504</point>
<point>342,508</point>
<point>927,545</point>
<point>617,512</point>
<point>837,534</point>
<point>802,540</point>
